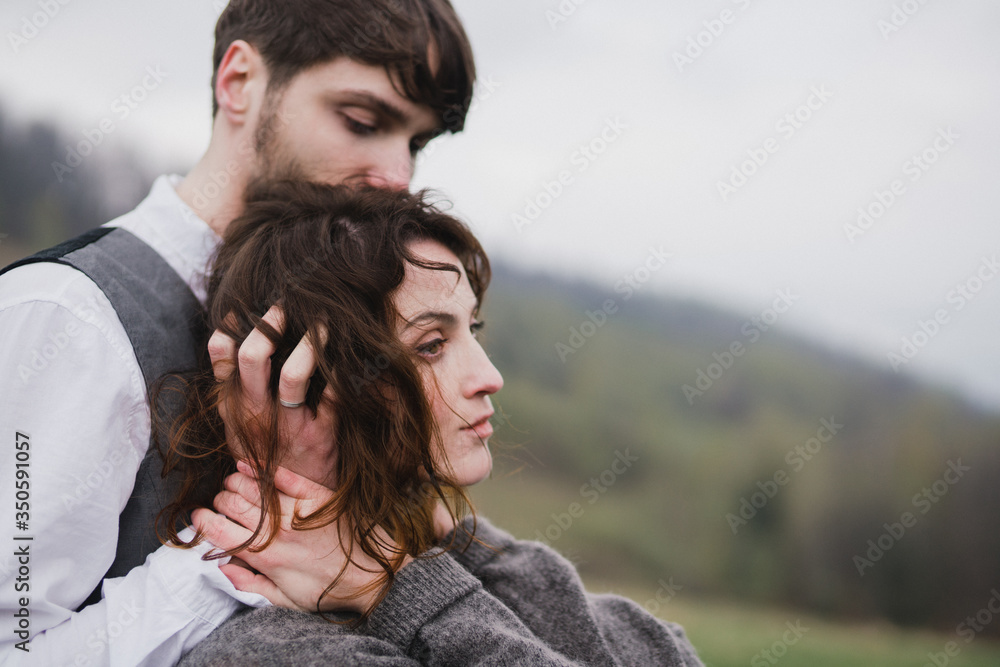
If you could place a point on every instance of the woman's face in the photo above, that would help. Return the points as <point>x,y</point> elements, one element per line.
<point>437,323</point>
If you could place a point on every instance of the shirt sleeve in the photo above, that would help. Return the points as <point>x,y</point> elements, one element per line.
<point>73,429</point>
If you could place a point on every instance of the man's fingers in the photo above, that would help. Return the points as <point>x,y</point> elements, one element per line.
<point>225,535</point>
<point>217,529</point>
<point>248,582</point>
<point>324,336</point>
<point>244,486</point>
<point>295,373</point>
<point>238,509</point>
<point>245,468</point>
<point>241,577</point>
<point>222,352</point>
<point>241,502</point>
<point>254,358</point>
<point>310,493</point>
<point>298,487</point>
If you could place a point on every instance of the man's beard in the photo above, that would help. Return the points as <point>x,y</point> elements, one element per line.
<point>273,163</point>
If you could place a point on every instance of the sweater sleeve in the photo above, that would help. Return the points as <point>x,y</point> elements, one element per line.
<point>439,614</point>
<point>435,614</point>
<point>544,591</point>
<point>524,606</point>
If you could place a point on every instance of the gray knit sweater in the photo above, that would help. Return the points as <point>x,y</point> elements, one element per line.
<point>519,603</point>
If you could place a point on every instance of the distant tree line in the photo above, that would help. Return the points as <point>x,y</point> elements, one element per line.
<point>41,205</point>
<point>801,477</point>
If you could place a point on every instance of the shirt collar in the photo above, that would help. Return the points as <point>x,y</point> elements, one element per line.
<point>176,232</point>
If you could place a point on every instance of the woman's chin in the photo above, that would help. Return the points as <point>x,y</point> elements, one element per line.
<point>475,468</point>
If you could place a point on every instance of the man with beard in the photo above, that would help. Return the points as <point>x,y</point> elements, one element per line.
<point>342,91</point>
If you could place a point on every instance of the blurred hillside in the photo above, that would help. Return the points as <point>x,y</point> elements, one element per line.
<point>673,447</point>
<point>798,476</point>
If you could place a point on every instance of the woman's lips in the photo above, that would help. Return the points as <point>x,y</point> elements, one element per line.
<point>482,428</point>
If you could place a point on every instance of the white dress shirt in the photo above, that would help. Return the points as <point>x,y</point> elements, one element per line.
<point>71,387</point>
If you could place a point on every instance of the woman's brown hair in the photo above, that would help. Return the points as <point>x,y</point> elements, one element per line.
<point>332,258</point>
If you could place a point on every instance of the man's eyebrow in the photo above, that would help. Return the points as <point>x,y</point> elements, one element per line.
<point>380,104</point>
<point>447,319</point>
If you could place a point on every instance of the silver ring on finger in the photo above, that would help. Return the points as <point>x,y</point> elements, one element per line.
<point>289,404</point>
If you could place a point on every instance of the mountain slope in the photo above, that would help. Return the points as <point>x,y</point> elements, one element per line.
<point>641,442</point>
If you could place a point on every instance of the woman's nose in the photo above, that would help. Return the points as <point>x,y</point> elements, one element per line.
<point>484,378</point>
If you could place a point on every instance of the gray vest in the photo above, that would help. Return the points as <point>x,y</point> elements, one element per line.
<point>166,326</point>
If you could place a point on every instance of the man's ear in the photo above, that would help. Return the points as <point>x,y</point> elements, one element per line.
<point>240,83</point>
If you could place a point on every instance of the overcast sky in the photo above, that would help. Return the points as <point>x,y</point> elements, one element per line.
<point>822,109</point>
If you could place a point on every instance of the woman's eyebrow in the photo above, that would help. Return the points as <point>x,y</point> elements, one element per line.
<point>447,319</point>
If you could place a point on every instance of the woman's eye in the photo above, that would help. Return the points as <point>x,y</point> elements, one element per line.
<point>476,327</point>
<point>433,348</point>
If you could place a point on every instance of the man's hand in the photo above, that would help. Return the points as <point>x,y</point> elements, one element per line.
<point>311,442</point>
<point>298,565</point>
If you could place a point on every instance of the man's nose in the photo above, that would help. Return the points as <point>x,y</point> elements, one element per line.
<point>393,169</point>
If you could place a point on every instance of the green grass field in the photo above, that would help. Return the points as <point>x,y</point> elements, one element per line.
<point>734,635</point>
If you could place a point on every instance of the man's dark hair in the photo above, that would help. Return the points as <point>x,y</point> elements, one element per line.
<point>407,37</point>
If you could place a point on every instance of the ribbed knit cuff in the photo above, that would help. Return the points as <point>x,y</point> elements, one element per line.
<point>421,591</point>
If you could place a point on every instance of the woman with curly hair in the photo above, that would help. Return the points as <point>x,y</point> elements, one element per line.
<point>369,551</point>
